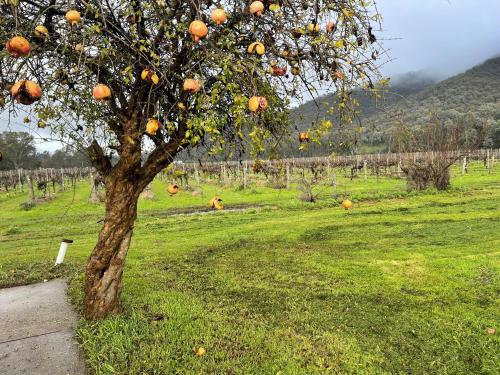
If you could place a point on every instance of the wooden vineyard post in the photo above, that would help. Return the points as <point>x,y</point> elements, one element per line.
<point>365,169</point>
<point>491,161</point>
<point>287,176</point>
<point>196,175</point>
<point>334,184</point>
<point>19,171</point>
<point>62,179</point>
<point>47,186</point>
<point>464,165</point>
<point>245,182</point>
<point>53,180</point>
<point>31,189</point>
<point>488,161</point>
<point>377,169</point>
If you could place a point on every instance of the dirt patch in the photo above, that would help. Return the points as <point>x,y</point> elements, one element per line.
<point>204,210</point>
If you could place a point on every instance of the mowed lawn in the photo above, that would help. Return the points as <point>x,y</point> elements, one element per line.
<point>403,283</point>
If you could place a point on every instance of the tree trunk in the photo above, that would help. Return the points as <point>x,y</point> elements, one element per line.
<point>104,270</point>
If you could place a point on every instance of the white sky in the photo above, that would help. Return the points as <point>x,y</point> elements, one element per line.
<point>441,37</point>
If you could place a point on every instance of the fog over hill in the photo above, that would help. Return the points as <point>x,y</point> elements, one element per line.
<point>410,98</point>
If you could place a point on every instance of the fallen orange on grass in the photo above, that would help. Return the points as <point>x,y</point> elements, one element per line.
<point>216,203</point>
<point>347,204</point>
<point>173,189</point>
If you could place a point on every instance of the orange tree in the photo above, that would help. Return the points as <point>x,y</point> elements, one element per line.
<point>134,82</point>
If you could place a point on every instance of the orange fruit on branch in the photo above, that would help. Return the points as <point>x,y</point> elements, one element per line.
<point>150,76</point>
<point>152,126</point>
<point>313,28</point>
<point>41,32</point>
<point>198,30</point>
<point>256,47</point>
<point>257,8</point>
<point>330,27</point>
<point>219,16</point>
<point>303,137</point>
<point>18,46</point>
<point>101,92</point>
<point>338,75</point>
<point>258,104</point>
<point>26,92</point>
<point>73,17</point>
<point>192,85</point>
<point>277,70</point>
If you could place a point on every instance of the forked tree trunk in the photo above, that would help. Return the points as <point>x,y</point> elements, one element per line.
<point>104,270</point>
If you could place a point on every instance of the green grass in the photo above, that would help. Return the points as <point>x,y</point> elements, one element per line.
<point>403,283</point>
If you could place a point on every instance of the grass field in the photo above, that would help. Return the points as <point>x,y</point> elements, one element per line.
<point>403,283</point>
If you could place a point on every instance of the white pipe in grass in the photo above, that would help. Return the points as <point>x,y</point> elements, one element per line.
<point>62,251</point>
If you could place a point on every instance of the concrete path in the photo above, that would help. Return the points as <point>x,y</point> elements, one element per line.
<point>36,331</point>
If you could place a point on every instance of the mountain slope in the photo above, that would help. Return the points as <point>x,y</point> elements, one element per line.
<point>403,86</point>
<point>411,99</point>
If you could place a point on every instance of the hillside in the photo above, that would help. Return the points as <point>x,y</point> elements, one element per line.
<point>412,98</point>
<point>403,86</point>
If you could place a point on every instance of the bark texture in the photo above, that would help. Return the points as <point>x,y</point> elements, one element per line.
<point>124,183</point>
<point>104,270</point>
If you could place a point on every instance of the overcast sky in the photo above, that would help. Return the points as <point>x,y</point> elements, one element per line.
<point>444,37</point>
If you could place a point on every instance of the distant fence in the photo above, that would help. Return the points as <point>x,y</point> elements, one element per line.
<point>45,178</point>
<point>389,164</point>
<point>227,171</point>
<point>389,159</point>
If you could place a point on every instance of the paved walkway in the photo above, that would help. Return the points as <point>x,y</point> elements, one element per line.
<point>36,331</point>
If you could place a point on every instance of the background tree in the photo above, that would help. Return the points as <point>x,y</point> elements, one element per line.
<point>448,139</point>
<point>18,150</point>
<point>163,84</point>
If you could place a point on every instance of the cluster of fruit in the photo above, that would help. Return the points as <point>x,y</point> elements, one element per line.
<point>199,30</point>
<point>27,92</point>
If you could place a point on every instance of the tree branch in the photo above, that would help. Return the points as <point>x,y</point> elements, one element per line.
<point>99,160</point>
